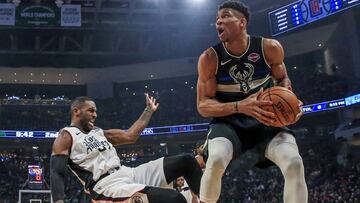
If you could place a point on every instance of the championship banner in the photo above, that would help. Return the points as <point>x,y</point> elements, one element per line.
<point>46,15</point>
<point>70,15</point>
<point>7,14</point>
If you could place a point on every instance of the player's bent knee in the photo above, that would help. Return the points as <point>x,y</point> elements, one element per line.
<point>188,159</point>
<point>295,167</point>
<point>176,197</point>
<point>218,161</point>
<point>161,195</point>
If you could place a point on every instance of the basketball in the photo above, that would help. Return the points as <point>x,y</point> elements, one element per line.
<point>285,105</point>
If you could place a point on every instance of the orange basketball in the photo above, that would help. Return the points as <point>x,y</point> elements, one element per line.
<point>285,105</point>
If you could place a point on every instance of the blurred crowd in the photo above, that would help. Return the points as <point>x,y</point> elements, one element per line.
<point>318,86</point>
<point>177,102</point>
<point>329,180</point>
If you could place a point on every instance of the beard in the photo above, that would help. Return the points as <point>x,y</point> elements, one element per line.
<point>85,125</point>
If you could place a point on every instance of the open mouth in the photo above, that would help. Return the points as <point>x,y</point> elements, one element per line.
<point>220,30</point>
<point>91,123</point>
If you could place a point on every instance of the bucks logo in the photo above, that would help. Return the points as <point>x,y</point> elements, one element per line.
<point>242,75</point>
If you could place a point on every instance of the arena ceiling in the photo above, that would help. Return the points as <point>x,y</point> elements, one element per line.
<point>119,32</point>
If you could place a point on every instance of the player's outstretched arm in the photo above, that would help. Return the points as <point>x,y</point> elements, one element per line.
<point>58,162</point>
<point>121,137</point>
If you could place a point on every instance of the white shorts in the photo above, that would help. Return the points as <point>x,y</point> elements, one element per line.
<point>125,182</point>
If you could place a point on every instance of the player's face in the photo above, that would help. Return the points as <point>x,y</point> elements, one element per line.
<point>199,150</point>
<point>180,182</point>
<point>229,23</point>
<point>87,115</point>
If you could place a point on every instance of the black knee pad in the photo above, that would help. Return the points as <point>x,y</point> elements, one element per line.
<point>176,197</point>
<point>179,165</point>
<point>187,160</point>
<point>183,165</point>
<point>161,195</point>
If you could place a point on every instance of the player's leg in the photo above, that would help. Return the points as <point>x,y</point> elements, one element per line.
<point>183,165</point>
<point>161,172</point>
<point>283,151</point>
<point>162,195</point>
<point>150,195</point>
<point>122,188</point>
<point>219,154</point>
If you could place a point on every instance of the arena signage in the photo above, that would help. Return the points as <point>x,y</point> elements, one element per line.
<point>40,15</point>
<point>300,13</point>
<point>37,15</point>
<point>7,14</point>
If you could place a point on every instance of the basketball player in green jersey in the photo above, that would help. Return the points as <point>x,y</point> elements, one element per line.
<point>231,76</point>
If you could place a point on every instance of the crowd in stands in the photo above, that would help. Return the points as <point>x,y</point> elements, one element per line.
<point>328,179</point>
<point>318,86</point>
<point>177,99</point>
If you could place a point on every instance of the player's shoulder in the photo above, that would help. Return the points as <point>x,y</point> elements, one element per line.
<point>209,53</point>
<point>62,143</point>
<point>69,130</point>
<point>98,129</point>
<point>270,43</point>
<point>64,133</point>
<point>208,56</point>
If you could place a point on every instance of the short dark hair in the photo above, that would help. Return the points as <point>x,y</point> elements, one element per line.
<point>199,143</point>
<point>78,101</point>
<point>237,5</point>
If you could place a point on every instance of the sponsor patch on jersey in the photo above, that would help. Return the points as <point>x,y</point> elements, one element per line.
<point>253,57</point>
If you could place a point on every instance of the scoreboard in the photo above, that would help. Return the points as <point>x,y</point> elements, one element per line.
<point>35,177</point>
<point>35,173</point>
<point>303,12</point>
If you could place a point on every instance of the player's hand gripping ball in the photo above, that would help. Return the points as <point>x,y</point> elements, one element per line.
<point>286,106</point>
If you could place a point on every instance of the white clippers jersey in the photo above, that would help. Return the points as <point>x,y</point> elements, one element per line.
<point>91,154</point>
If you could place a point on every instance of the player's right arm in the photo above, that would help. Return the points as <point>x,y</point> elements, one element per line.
<point>58,162</point>
<point>209,106</point>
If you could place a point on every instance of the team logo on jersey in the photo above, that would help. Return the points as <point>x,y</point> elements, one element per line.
<point>136,199</point>
<point>92,144</point>
<point>253,57</point>
<point>242,75</point>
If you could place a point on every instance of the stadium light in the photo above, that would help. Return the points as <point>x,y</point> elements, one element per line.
<point>196,2</point>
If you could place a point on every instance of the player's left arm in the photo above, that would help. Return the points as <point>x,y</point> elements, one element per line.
<point>274,55</point>
<point>121,137</point>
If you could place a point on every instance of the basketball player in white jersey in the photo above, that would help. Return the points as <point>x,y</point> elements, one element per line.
<point>90,154</point>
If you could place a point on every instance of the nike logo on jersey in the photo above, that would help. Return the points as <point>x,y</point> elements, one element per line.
<point>223,63</point>
<point>78,133</point>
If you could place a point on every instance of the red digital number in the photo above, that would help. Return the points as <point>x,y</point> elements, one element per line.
<point>38,177</point>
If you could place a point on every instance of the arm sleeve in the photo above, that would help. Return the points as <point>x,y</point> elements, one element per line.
<point>57,175</point>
